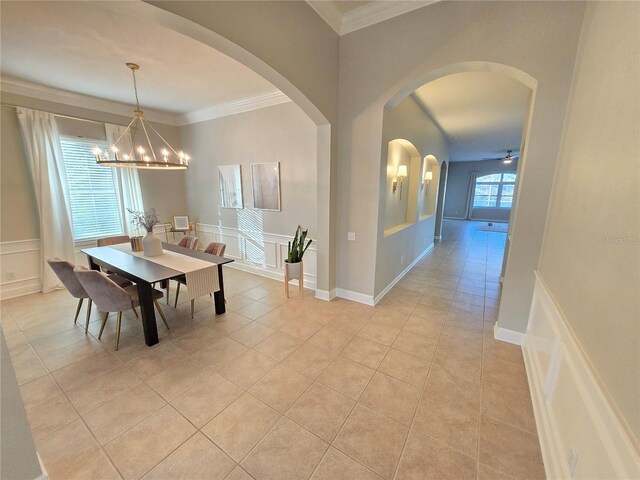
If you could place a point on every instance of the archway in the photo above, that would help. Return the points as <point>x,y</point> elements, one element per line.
<point>326,178</point>
<point>442,190</point>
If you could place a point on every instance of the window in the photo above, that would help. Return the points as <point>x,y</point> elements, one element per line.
<point>95,208</point>
<point>494,191</point>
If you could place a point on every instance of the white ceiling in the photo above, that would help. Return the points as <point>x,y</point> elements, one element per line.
<point>481,113</point>
<point>82,47</point>
<point>351,15</point>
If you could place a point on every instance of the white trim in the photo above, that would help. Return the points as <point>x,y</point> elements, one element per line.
<point>18,288</point>
<point>402,274</point>
<point>29,89</point>
<point>506,335</point>
<point>328,12</point>
<point>364,16</point>
<point>376,12</point>
<point>232,108</point>
<point>573,411</point>
<point>355,296</point>
<point>42,92</point>
<point>326,295</point>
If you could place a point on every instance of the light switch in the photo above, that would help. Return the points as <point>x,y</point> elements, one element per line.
<point>351,236</point>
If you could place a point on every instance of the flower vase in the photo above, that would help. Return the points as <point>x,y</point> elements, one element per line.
<point>151,245</point>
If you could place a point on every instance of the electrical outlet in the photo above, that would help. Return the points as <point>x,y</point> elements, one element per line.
<point>11,276</point>
<point>572,461</point>
<point>351,236</point>
<point>402,260</point>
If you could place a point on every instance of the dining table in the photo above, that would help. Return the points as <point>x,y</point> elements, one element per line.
<point>146,272</point>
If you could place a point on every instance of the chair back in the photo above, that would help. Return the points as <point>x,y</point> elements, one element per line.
<point>216,248</point>
<point>104,292</point>
<point>64,271</point>
<point>189,241</point>
<point>106,241</point>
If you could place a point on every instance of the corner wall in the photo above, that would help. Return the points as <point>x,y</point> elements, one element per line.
<point>591,252</point>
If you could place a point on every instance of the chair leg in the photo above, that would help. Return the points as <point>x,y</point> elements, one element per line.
<point>135,312</point>
<point>75,320</point>
<point>192,307</point>
<point>118,322</point>
<point>167,289</point>
<point>164,319</point>
<point>104,322</point>
<point>86,327</point>
<point>175,305</point>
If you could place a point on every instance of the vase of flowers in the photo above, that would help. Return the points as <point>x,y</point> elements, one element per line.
<point>151,245</point>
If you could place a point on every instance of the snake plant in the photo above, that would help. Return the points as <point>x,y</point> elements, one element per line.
<point>297,248</point>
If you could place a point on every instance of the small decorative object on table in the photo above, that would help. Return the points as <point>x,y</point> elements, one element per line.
<point>293,268</point>
<point>151,245</point>
<point>136,244</point>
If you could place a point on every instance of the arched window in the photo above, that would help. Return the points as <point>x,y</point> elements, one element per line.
<point>494,190</point>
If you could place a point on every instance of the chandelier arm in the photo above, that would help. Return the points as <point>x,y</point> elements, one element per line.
<point>122,134</point>
<point>162,138</point>
<point>144,128</point>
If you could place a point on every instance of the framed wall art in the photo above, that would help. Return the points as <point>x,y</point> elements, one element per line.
<point>230,182</point>
<point>265,182</point>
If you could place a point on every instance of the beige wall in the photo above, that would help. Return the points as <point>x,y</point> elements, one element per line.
<point>381,62</point>
<point>282,133</point>
<point>164,191</point>
<point>409,122</point>
<point>591,253</point>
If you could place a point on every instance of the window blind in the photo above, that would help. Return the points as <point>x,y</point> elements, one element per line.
<point>94,202</point>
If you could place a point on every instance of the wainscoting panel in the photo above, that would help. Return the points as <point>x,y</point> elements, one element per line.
<point>580,434</point>
<point>261,253</point>
<point>20,267</point>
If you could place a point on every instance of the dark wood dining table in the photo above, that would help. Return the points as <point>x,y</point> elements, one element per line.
<point>145,273</point>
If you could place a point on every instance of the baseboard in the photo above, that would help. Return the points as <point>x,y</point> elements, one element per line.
<point>355,296</point>
<point>326,295</point>
<point>574,414</point>
<point>309,283</point>
<point>402,274</point>
<point>506,335</point>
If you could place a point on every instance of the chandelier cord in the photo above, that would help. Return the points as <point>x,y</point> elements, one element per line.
<point>135,88</point>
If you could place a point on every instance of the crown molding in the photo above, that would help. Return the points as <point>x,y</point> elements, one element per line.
<point>329,13</point>
<point>232,108</point>
<point>366,15</point>
<point>42,92</point>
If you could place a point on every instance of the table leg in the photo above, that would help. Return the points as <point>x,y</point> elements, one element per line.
<point>218,296</point>
<point>145,295</point>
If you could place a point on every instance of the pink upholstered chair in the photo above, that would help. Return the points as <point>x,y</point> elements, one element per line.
<point>64,271</point>
<point>189,241</point>
<point>110,297</point>
<point>216,248</point>
<point>106,241</point>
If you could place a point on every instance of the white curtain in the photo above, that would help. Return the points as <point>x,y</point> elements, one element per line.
<point>127,179</point>
<point>472,190</point>
<point>46,165</point>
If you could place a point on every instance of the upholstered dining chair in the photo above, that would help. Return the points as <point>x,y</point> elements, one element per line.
<point>189,241</point>
<point>110,297</point>
<point>106,241</point>
<point>64,271</point>
<point>216,248</point>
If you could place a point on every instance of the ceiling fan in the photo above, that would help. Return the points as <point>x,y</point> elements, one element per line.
<point>508,158</point>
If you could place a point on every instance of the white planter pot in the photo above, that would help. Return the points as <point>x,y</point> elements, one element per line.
<point>151,245</point>
<point>293,270</point>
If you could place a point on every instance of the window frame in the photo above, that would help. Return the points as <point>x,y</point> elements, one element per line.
<point>500,184</point>
<point>116,186</point>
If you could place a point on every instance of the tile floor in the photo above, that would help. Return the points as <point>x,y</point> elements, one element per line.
<point>414,388</point>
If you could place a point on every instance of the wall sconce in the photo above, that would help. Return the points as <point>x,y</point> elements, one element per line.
<point>428,176</point>
<point>402,172</point>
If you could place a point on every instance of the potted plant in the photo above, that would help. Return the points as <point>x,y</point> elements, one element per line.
<point>151,245</point>
<point>293,268</point>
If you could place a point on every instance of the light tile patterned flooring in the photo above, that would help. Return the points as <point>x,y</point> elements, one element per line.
<point>414,388</point>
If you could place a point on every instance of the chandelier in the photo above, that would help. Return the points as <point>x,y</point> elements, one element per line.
<point>138,157</point>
